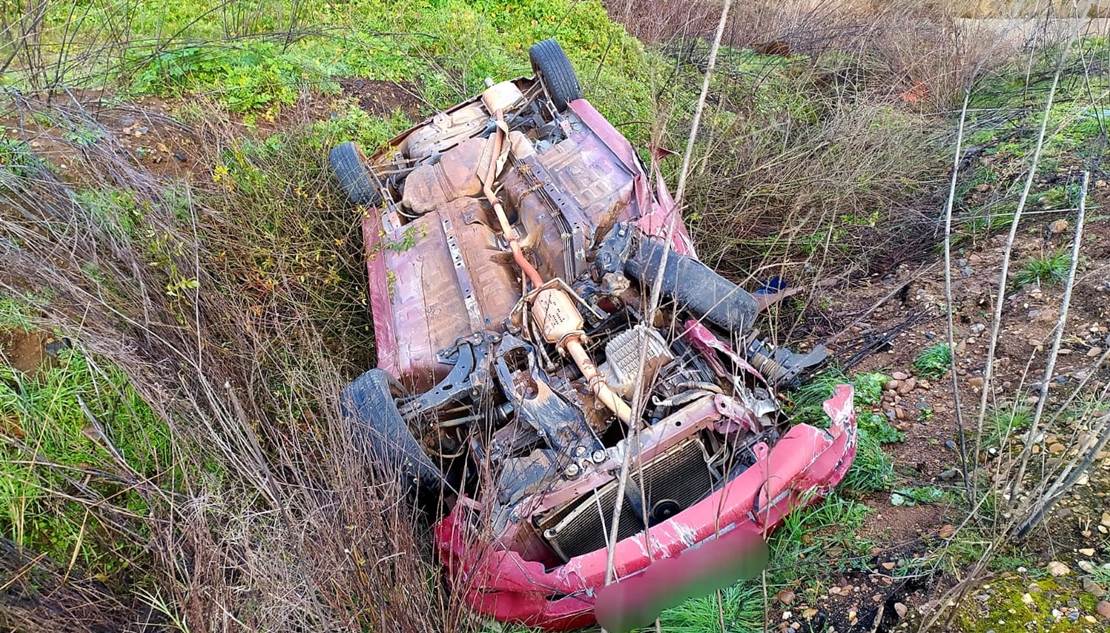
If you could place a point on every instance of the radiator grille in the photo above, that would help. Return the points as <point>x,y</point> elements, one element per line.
<point>671,483</point>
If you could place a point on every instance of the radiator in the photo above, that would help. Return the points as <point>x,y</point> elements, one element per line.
<point>671,483</point>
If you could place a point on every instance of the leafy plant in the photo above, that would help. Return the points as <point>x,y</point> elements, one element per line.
<point>933,361</point>
<point>17,158</point>
<point>1050,270</point>
<point>58,426</point>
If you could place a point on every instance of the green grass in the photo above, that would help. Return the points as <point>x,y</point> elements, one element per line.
<point>873,469</point>
<point>813,541</point>
<point>257,64</point>
<point>14,314</point>
<point>47,450</point>
<point>1006,422</point>
<point>1049,270</point>
<point>933,361</point>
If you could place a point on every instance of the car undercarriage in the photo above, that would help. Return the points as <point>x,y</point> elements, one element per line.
<point>553,356</point>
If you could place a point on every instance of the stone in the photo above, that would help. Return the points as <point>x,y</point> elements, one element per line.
<point>1056,448</point>
<point>891,385</point>
<point>1087,551</point>
<point>1056,568</point>
<point>1027,598</point>
<point>1092,587</point>
<point>1087,566</point>
<point>1103,609</point>
<point>1094,351</point>
<point>949,474</point>
<point>900,609</point>
<point>1106,519</point>
<point>899,375</point>
<point>975,381</point>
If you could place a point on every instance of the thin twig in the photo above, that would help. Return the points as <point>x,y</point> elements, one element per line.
<point>1050,367</point>
<point>969,486</point>
<point>996,321</point>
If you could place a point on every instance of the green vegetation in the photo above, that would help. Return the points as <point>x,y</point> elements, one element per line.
<point>1013,604</point>
<point>234,295</point>
<point>873,469</point>
<point>934,361</point>
<point>78,425</point>
<point>915,495</point>
<point>1050,270</point>
<point>1004,116</point>
<point>1006,422</point>
<point>818,540</point>
<point>258,61</point>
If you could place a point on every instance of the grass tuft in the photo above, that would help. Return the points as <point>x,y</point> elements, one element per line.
<point>933,361</point>
<point>1049,270</point>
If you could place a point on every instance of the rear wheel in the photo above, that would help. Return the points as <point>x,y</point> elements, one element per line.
<point>350,169</point>
<point>551,65</point>
<point>369,405</point>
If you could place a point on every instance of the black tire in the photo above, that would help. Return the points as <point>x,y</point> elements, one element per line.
<point>551,65</point>
<point>369,407</point>
<point>350,169</point>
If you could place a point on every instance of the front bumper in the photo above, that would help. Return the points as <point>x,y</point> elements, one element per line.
<point>805,464</point>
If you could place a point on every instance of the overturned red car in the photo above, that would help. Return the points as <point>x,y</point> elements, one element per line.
<point>514,245</point>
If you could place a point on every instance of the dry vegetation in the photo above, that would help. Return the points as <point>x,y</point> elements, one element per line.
<point>232,299</point>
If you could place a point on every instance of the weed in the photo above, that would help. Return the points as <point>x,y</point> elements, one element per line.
<point>914,496</point>
<point>933,361</point>
<point>1004,423</point>
<point>1049,270</point>
<point>18,159</point>
<point>76,421</point>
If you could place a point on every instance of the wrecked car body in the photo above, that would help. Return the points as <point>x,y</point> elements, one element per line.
<point>513,244</point>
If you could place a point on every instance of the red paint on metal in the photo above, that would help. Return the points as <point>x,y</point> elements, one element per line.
<point>802,468</point>
<point>385,340</point>
<point>654,216</point>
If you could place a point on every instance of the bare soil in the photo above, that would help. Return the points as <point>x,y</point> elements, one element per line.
<point>383,98</point>
<point>25,351</point>
<point>926,412</point>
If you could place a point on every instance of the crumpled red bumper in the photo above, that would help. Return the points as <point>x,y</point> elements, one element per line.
<point>804,466</point>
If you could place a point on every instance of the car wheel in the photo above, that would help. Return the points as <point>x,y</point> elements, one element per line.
<point>551,65</point>
<point>369,406</point>
<point>350,169</point>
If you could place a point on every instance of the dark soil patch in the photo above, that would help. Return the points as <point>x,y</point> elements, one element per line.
<point>382,98</point>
